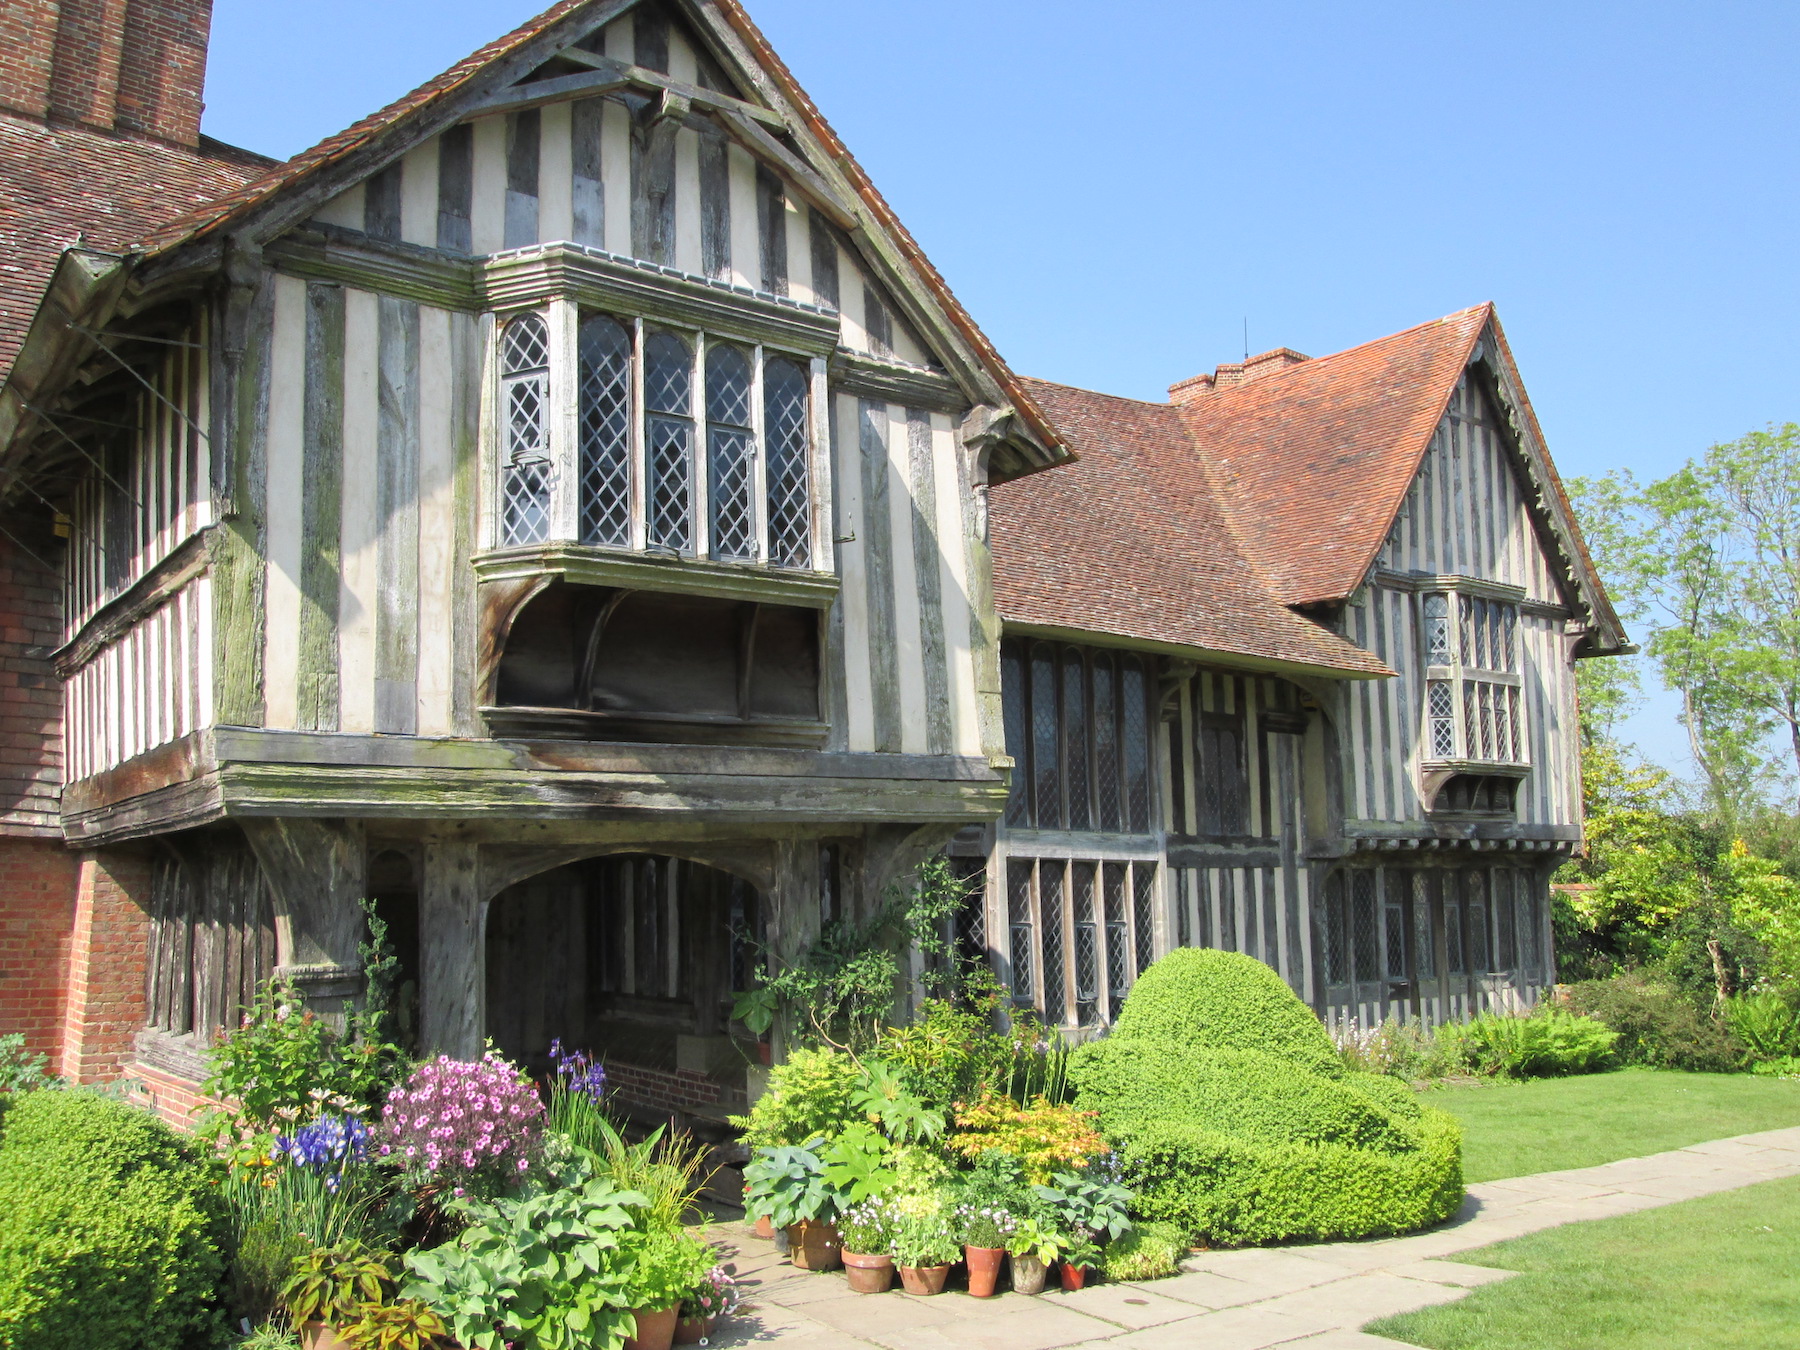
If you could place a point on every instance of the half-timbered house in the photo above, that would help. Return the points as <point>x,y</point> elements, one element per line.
<point>568,508</point>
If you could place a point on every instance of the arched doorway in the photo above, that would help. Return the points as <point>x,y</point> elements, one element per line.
<point>636,958</point>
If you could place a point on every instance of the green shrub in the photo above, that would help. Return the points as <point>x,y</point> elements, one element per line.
<point>1214,1000</point>
<point>1658,1025</point>
<point>808,1095</point>
<point>1150,1252</point>
<point>20,1069</point>
<point>1244,1126</point>
<point>1549,1043</point>
<point>1767,1024</point>
<point>108,1229</point>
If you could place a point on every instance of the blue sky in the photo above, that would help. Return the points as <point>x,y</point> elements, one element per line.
<point>1114,191</point>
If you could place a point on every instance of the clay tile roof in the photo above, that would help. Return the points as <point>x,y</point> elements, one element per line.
<point>61,182</point>
<point>1315,459</point>
<point>1130,541</point>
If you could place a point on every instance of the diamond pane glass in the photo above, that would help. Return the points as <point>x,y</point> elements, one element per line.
<point>668,373</point>
<point>1471,722</point>
<point>668,488</point>
<point>1442,707</point>
<point>1505,938</point>
<point>729,461</point>
<point>1050,912</point>
<point>1509,636</point>
<point>1362,924</point>
<point>1424,947</point>
<point>525,503</point>
<point>1087,946</point>
<point>1106,742</point>
<point>1528,926</point>
<point>1018,743</point>
<point>1046,759</point>
<point>1453,937</point>
<point>1517,725</point>
<point>1466,609</point>
<point>605,430</point>
<point>971,912</point>
<point>1019,931</point>
<point>1477,920</point>
<point>1075,736</point>
<point>526,345</point>
<point>727,385</point>
<point>1143,916</point>
<point>1136,719</point>
<point>1395,919</point>
<point>526,477</point>
<point>1437,629</point>
<point>784,431</point>
<point>1334,935</point>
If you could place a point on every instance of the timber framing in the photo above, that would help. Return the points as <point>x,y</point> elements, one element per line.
<point>674,575</point>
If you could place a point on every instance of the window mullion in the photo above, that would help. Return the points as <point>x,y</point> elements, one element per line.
<point>759,461</point>
<point>639,443</point>
<point>562,425</point>
<point>700,458</point>
<point>818,475</point>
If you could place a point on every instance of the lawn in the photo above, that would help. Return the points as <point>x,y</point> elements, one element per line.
<point>1549,1124</point>
<point>1717,1272</point>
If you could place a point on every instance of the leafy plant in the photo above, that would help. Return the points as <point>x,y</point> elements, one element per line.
<point>410,1324</point>
<point>666,1267</point>
<point>856,1166</point>
<point>868,1228</point>
<point>787,1185</point>
<point>1088,1204</point>
<point>990,1199</point>
<point>1657,1023</point>
<point>1037,1236</point>
<point>575,1109</point>
<point>1043,1137</point>
<point>1548,1043</point>
<point>811,1094</point>
<point>1403,1050</point>
<point>542,1271</point>
<point>22,1071</point>
<point>275,1214</point>
<point>663,1167</point>
<point>333,1283</point>
<point>1150,1252</point>
<point>285,1066</point>
<point>881,1094</point>
<point>1767,1024</point>
<point>716,1295</point>
<point>108,1228</point>
<point>270,1335</point>
<point>920,1240</point>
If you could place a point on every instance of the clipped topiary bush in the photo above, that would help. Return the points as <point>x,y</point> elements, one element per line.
<point>1239,1130</point>
<point>1213,1000</point>
<point>108,1229</point>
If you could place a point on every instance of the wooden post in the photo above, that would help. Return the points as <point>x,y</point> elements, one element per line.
<point>452,955</point>
<point>792,922</point>
<point>318,872</point>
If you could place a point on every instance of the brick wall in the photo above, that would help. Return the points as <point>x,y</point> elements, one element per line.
<point>30,694</point>
<point>37,915</point>
<point>175,1099</point>
<point>665,1089</point>
<point>135,66</point>
<point>108,945</point>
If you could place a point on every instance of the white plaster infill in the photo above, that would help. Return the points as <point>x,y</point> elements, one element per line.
<point>1312,1296</point>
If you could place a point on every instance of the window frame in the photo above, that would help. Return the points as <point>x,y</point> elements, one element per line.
<point>808,554</point>
<point>1474,622</point>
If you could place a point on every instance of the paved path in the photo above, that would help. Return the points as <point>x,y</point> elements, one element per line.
<point>1306,1296</point>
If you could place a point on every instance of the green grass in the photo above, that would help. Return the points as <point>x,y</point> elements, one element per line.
<point>1717,1272</point>
<point>1550,1124</point>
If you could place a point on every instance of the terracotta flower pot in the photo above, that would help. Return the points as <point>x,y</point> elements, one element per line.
<point>655,1328</point>
<point>869,1274</point>
<point>1028,1274</point>
<point>1073,1277</point>
<point>814,1246</point>
<point>318,1336</point>
<point>924,1279</point>
<point>984,1269</point>
<point>765,1228</point>
<point>692,1330</point>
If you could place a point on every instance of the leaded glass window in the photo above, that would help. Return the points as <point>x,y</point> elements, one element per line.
<point>669,439</point>
<point>605,429</point>
<point>1021,941</point>
<point>1478,920</point>
<point>1050,912</point>
<point>1474,715</point>
<point>1437,630</point>
<point>527,475</point>
<point>1362,924</point>
<point>1087,945</point>
<point>785,397</point>
<point>730,452</point>
<point>1143,885</point>
<point>1424,944</point>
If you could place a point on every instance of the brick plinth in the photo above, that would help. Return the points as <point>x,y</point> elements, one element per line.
<point>38,879</point>
<point>665,1089</point>
<point>105,1005</point>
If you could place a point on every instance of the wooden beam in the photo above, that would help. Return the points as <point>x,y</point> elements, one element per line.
<point>585,84</point>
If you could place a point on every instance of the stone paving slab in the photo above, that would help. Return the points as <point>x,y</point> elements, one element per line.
<point>1303,1297</point>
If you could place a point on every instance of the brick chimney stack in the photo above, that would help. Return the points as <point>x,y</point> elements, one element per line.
<point>1234,374</point>
<point>135,67</point>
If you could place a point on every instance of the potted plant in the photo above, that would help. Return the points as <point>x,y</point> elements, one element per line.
<point>666,1267</point>
<point>409,1324</point>
<point>867,1231</point>
<point>923,1249</point>
<point>1034,1246</point>
<point>715,1297</point>
<point>1088,1205</point>
<point>330,1289</point>
<point>1081,1258</point>
<point>985,1229</point>
<point>791,1190</point>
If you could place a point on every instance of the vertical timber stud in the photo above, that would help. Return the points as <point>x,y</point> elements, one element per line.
<point>239,434</point>
<point>321,510</point>
<point>452,959</point>
<point>873,431</point>
<point>793,914</point>
<point>318,872</point>
<point>397,507</point>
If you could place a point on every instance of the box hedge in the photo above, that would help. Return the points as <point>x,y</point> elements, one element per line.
<point>1236,1129</point>
<point>108,1229</point>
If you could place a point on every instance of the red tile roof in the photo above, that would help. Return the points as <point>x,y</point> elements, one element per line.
<point>1315,458</point>
<point>58,183</point>
<point>1131,541</point>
